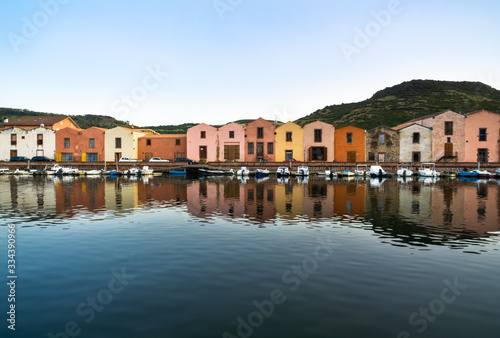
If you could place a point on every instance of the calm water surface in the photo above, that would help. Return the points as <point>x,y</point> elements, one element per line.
<point>164,257</point>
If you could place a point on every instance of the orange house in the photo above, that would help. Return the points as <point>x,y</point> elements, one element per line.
<point>50,122</point>
<point>80,145</point>
<point>259,140</point>
<point>350,144</point>
<point>166,146</point>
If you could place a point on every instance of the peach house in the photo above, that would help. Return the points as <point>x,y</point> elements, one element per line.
<point>289,142</point>
<point>202,143</point>
<point>482,136</point>
<point>80,145</point>
<point>350,144</point>
<point>319,140</point>
<point>165,146</point>
<point>260,138</point>
<point>231,142</point>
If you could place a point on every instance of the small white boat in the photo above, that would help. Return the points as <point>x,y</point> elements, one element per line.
<point>94,172</point>
<point>23,172</point>
<point>146,171</point>
<point>282,171</point>
<point>377,171</point>
<point>131,172</point>
<point>243,172</point>
<point>347,173</point>
<point>331,173</point>
<point>404,172</point>
<point>361,170</point>
<point>303,170</point>
<point>428,170</point>
<point>4,171</point>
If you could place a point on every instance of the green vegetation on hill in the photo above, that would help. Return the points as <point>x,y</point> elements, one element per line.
<point>395,105</point>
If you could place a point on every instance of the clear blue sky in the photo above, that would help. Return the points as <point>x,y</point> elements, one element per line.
<point>218,61</point>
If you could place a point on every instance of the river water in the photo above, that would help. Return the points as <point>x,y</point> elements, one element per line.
<point>222,257</point>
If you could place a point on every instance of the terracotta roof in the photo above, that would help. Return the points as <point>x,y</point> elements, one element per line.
<point>36,120</point>
<point>403,126</point>
<point>163,136</point>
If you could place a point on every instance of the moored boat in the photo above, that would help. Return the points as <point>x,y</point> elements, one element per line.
<point>261,173</point>
<point>361,170</point>
<point>282,172</point>
<point>347,173</point>
<point>428,170</point>
<point>215,172</point>
<point>302,170</point>
<point>243,172</point>
<point>377,171</point>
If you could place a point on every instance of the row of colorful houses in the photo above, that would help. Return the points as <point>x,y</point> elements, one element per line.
<point>443,136</point>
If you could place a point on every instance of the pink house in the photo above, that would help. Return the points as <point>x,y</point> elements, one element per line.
<point>319,141</point>
<point>202,143</point>
<point>259,143</point>
<point>231,142</point>
<point>482,136</point>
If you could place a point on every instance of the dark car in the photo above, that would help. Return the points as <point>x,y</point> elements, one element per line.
<point>41,159</point>
<point>291,160</point>
<point>19,159</point>
<point>184,159</point>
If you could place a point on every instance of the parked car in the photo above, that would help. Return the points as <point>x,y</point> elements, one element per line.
<point>158,159</point>
<point>127,159</point>
<point>19,159</point>
<point>184,159</point>
<point>41,159</point>
<point>291,160</point>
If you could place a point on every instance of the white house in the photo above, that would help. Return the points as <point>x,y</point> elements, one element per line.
<point>29,142</point>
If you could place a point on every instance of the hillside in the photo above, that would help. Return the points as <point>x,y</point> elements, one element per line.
<point>394,105</point>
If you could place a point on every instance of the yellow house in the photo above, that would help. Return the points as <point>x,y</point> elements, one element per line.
<point>121,142</point>
<point>289,142</point>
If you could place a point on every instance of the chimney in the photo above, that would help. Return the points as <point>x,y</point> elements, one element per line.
<point>5,120</point>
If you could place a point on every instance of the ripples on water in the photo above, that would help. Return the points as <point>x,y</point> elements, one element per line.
<point>204,250</point>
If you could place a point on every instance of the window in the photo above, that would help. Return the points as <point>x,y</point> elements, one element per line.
<point>118,142</point>
<point>381,138</point>
<point>416,156</point>
<point>231,134</point>
<point>448,127</point>
<point>482,134</point>
<point>148,142</point>
<point>250,148</point>
<point>260,132</point>
<point>92,157</point>
<point>203,134</point>
<point>349,138</point>
<point>416,137</point>
<point>66,142</point>
<point>66,157</point>
<point>371,156</point>
<point>177,141</point>
<point>13,139</point>
<point>288,154</point>
<point>92,144</point>
<point>270,148</point>
<point>289,136</point>
<point>39,139</point>
<point>318,135</point>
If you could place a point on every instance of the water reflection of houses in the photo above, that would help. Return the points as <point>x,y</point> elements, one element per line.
<point>72,195</point>
<point>349,197</point>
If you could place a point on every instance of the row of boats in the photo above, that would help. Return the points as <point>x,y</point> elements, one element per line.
<point>426,170</point>
<point>56,169</point>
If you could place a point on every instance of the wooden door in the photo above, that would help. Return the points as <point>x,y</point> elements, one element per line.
<point>260,149</point>
<point>351,156</point>
<point>13,153</point>
<point>448,149</point>
<point>203,152</point>
<point>148,157</point>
